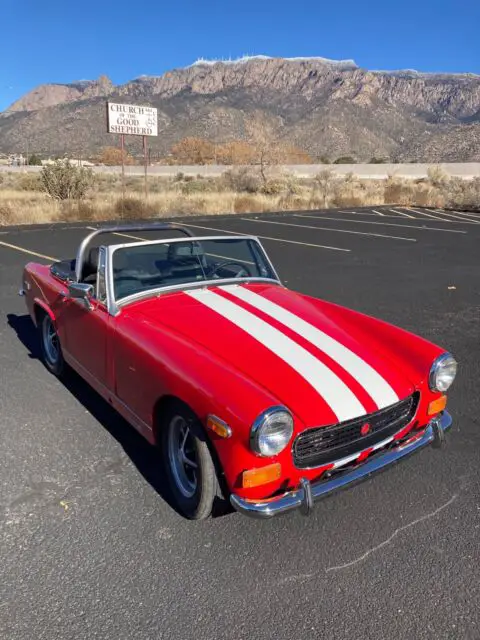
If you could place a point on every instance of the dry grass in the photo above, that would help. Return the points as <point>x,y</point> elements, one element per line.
<point>26,207</point>
<point>22,202</point>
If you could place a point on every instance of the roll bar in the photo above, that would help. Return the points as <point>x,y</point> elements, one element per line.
<point>154,226</point>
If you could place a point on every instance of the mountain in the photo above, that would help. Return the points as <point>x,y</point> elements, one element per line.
<point>328,108</point>
<point>49,95</point>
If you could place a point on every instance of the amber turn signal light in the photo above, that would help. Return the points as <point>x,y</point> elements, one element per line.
<point>219,427</point>
<point>437,405</point>
<point>262,475</point>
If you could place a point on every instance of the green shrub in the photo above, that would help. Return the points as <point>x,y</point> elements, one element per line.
<point>243,180</point>
<point>463,194</point>
<point>345,160</point>
<point>195,186</point>
<point>34,160</point>
<point>437,176</point>
<point>274,187</point>
<point>64,181</point>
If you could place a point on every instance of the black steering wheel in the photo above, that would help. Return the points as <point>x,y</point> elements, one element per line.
<point>242,269</point>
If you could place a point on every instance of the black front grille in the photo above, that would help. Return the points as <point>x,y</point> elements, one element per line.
<point>321,445</point>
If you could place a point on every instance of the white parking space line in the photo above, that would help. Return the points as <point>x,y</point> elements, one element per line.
<point>303,226</point>
<point>127,235</point>
<point>456,216</point>
<point>427,215</point>
<point>401,213</point>
<point>383,224</point>
<point>470,214</point>
<point>355,213</point>
<point>454,219</point>
<point>238,233</point>
<point>28,251</point>
<point>116,233</point>
<point>373,213</point>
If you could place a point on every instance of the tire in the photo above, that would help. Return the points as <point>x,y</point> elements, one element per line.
<point>194,484</point>
<point>50,345</point>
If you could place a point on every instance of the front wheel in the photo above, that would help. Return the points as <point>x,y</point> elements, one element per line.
<point>190,469</point>
<point>50,344</point>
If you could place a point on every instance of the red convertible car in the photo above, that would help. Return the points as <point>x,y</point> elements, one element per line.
<point>253,393</point>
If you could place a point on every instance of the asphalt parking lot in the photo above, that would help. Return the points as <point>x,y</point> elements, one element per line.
<point>90,546</point>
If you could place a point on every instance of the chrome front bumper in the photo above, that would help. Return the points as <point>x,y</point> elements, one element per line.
<point>304,497</point>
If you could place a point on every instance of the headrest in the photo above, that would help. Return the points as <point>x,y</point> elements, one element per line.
<point>90,264</point>
<point>178,250</point>
<point>120,260</point>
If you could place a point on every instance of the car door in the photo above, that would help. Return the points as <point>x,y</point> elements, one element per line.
<point>86,333</point>
<point>86,330</point>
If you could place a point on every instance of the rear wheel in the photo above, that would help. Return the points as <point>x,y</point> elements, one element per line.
<point>190,469</point>
<point>50,344</point>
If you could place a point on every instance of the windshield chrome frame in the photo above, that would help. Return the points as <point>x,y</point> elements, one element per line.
<point>114,305</point>
<point>150,226</point>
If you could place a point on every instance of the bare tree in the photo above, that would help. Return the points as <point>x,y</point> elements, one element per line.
<point>112,156</point>
<point>262,136</point>
<point>324,180</point>
<point>194,151</point>
<point>236,152</point>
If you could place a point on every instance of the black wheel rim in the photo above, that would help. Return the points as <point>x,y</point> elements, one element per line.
<point>182,456</point>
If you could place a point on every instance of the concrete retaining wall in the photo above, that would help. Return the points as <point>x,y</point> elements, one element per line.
<point>465,170</point>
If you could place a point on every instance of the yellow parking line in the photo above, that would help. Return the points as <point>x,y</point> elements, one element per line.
<point>32,253</point>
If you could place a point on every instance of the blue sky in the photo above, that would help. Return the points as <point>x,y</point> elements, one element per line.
<point>62,41</point>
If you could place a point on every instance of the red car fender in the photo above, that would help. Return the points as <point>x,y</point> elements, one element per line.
<point>38,293</point>
<point>44,306</point>
<point>166,366</point>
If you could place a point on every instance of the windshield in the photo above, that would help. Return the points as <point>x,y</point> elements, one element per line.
<point>141,267</point>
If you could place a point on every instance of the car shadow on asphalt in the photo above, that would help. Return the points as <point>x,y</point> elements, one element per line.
<point>144,456</point>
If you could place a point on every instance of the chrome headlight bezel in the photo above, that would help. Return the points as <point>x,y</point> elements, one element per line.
<point>279,415</point>
<point>444,364</point>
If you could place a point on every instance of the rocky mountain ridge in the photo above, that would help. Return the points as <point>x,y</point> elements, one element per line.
<point>325,107</point>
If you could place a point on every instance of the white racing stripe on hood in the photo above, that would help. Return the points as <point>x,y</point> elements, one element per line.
<point>374,384</point>
<point>333,390</point>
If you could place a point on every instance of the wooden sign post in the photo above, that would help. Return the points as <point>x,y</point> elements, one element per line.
<point>134,120</point>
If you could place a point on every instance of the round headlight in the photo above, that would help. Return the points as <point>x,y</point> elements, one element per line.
<point>443,372</point>
<point>271,431</point>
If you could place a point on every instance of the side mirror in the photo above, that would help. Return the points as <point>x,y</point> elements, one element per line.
<point>81,291</point>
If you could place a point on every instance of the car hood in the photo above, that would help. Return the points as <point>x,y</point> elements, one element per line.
<point>321,368</point>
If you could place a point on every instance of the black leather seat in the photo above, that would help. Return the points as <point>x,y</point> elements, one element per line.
<point>90,266</point>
